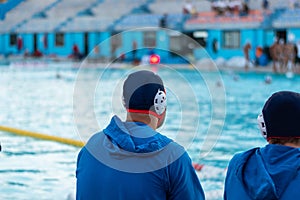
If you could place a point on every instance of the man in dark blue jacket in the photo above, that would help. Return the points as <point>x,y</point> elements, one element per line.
<point>130,160</point>
<point>271,172</point>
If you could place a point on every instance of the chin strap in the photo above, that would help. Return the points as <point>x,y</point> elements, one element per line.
<point>144,112</point>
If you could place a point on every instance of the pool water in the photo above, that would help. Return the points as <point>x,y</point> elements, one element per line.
<point>36,99</point>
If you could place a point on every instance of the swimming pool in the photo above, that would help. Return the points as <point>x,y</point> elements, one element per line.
<point>36,99</point>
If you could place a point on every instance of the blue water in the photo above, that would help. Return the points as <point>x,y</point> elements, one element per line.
<point>35,99</point>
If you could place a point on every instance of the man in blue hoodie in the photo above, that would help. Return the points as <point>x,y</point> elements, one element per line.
<point>270,172</point>
<point>130,160</point>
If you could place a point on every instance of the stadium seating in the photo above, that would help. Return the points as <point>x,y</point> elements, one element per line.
<point>148,20</point>
<point>22,13</point>
<point>6,6</point>
<point>211,20</point>
<point>176,6</point>
<point>86,24</point>
<point>101,15</point>
<point>63,10</point>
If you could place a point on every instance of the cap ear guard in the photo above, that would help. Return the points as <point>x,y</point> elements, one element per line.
<point>262,125</point>
<point>160,102</point>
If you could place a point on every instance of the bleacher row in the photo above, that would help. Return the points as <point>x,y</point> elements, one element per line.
<point>211,20</point>
<point>118,15</point>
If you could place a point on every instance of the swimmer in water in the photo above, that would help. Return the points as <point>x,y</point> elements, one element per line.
<point>268,79</point>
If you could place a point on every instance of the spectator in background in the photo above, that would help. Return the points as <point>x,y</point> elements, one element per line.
<point>281,55</point>
<point>245,10</point>
<point>234,6</point>
<point>19,44</point>
<point>274,51</point>
<point>75,52</point>
<point>194,12</point>
<point>187,7</point>
<point>219,7</point>
<point>37,54</point>
<point>215,45</point>
<point>163,21</point>
<point>26,53</point>
<point>298,56</point>
<point>265,5</point>
<point>260,57</point>
<point>292,4</point>
<point>246,49</point>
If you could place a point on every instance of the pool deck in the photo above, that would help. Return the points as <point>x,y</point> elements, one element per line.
<point>203,65</point>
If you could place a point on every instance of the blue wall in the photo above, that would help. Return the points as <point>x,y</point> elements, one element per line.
<point>100,39</point>
<point>296,32</point>
<point>8,49</point>
<point>2,45</point>
<point>162,42</point>
<point>269,37</point>
<point>257,37</point>
<point>214,35</point>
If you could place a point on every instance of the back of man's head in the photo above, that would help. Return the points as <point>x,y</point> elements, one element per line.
<point>144,92</point>
<point>280,116</point>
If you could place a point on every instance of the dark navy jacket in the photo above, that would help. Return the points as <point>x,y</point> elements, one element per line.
<point>130,161</point>
<point>268,173</point>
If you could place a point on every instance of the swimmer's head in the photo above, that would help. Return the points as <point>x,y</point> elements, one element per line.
<point>268,79</point>
<point>144,93</point>
<point>280,116</point>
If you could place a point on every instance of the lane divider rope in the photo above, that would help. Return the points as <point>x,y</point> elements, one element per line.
<point>68,141</point>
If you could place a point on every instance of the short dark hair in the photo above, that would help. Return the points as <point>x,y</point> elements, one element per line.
<point>283,141</point>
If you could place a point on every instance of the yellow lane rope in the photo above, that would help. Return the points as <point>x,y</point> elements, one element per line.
<point>76,143</point>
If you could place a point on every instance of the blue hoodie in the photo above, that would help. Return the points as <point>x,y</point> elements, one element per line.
<point>129,160</point>
<point>267,173</point>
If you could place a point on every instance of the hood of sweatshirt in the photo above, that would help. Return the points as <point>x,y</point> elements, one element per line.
<point>133,147</point>
<point>266,172</point>
<point>135,137</point>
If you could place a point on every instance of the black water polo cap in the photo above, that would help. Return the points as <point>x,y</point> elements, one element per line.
<point>281,115</point>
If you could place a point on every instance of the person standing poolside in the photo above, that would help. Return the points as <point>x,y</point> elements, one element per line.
<point>274,53</point>
<point>281,56</point>
<point>298,56</point>
<point>270,172</point>
<point>130,159</point>
<point>290,54</point>
<point>247,48</point>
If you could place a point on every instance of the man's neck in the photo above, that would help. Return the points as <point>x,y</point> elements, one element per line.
<point>144,118</point>
<point>292,145</point>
